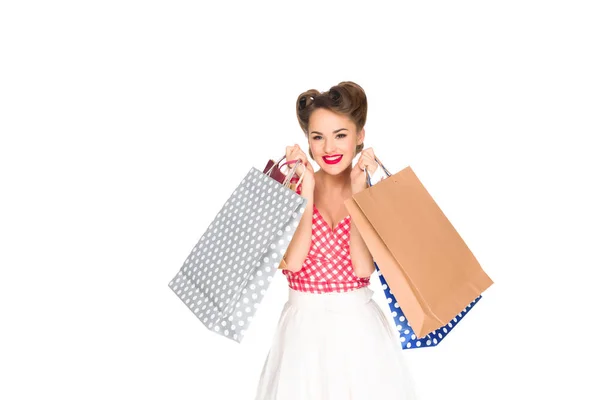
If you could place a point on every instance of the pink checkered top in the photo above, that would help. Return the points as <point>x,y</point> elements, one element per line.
<point>327,267</point>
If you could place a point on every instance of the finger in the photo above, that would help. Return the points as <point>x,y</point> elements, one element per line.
<point>288,152</point>
<point>290,149</point>
<point>359,163</point>
<point>303,161</point>
<point>308,168</point>
<point>366,161</point>
<point>289,156</point>
<point>300,169</point>
<point>291,153</point>
<point>299,155</point>
<point>370,164</point>
<point>294,157</point>
<point>372,168</point>
<point>369,151</point>
<point>295,149</point>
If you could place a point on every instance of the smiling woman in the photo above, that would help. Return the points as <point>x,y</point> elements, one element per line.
<point>332,137</point>
<point>346,98</point>
<point>332,341</point>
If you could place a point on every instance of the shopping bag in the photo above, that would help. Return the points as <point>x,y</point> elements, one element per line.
<point>273,169</point>
<point>226,275</point>
<point>431,271</point>
<point>408,338</point>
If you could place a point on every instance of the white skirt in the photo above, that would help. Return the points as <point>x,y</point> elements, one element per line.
<point>334,346</point>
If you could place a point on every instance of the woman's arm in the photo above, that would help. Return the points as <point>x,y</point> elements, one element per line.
<point>300,244</point>
<point>362,260</point>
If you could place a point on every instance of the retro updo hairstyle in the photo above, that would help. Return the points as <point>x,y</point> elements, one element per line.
<point>346,98</point>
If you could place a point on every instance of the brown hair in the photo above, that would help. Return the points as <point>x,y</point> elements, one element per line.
<point>346,98</point>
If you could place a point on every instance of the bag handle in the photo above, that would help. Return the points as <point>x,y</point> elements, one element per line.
<point>290,174</point>
<point>288,179</point>
<point>368,174</point>
<point>294,179</point>
<point>274,165</point>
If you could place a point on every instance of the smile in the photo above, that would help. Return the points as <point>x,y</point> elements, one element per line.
<point>332,159</point>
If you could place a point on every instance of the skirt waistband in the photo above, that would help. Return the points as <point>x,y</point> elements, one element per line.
<point>331,301</point>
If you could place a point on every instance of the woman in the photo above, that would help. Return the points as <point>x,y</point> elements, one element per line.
<point>333,341</point>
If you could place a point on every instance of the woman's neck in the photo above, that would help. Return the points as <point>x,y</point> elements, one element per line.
<point>333,184</point>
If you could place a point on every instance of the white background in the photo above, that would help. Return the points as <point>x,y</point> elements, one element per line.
<point>125,125</point>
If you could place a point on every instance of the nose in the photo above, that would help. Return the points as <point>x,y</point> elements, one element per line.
<point>329,146</point>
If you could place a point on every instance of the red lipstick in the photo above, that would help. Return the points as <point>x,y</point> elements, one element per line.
<point>332,159</point>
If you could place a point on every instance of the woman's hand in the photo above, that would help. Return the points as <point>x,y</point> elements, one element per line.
<point>357,175</point>
<point>293,153</point>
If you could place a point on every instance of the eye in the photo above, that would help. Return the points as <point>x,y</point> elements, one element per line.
<point>342,135</point>
<point>316,137</point>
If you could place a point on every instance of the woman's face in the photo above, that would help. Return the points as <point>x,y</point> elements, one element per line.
<point>332,139</point>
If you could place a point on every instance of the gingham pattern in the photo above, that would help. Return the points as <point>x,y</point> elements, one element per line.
<point>328,267</point>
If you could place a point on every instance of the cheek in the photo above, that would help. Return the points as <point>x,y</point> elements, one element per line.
<point>311,149</point>
<point>314,146</point>
<point>350,146</point>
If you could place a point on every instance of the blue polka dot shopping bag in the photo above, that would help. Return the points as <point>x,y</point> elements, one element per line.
<point>408,339</point>
<point>422,260</point>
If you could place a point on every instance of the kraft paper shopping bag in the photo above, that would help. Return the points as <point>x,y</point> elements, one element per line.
<point>429,268</point>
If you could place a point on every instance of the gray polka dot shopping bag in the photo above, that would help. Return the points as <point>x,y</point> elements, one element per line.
<point>225,276</point>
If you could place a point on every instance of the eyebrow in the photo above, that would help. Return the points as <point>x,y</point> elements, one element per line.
<point>336,131</point>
